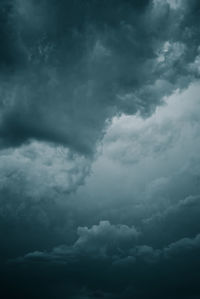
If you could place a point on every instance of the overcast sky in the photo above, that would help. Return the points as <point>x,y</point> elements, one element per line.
<point>99,149</point>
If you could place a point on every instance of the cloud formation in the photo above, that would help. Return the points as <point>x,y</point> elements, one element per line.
<point>126,268</point>
<point>99,149</point>
<point>79,64</point>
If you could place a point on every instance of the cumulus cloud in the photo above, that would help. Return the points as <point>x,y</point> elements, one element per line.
<point>105,237</point>
<point>101,240</point>
<point>122,248</point>
<point>130,267</point>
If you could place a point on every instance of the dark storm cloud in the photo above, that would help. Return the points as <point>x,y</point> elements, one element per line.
<point>109,260</point>
<point>66,68</point>
<point>124,271</point>
<point>79,63</point>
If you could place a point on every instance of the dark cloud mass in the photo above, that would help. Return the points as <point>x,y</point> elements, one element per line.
<point>99,149</point>
<point>109,257</point>
<point>70,66</point>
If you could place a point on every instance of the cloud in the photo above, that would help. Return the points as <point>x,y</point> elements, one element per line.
<point>178,221</point>
<point>35,179</point>
<point>147,170</point>
<point>37,168</point>
<point>123,247</point>
<point>105,237</point>
<point>100,241</point>
<point>74,73</point>
<point>99,119</point>
<point>146,166</point>
<point>38,173</point>
<point>126,268</point>
<point>131,139</point>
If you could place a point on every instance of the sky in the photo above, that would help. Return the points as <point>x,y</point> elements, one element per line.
<point>99,149</point>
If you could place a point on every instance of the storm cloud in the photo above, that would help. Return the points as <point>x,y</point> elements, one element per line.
<point>99,149</point>
<point>121,271</point>
<point>69,67</point>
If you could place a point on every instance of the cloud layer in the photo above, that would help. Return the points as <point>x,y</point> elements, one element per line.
<point>99,149</point>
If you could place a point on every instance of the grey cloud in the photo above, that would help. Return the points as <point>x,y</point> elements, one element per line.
<point>105,237</point>
<point>78,71</point>
<point>131,139</point>
<point>146,166</point>
<point>35,179</point>
<point>177,221</point>
<point>126,269</point>
<point>123,247</point>
<point>72,74</point>
<point>98,241</point>
<point>37,168</point>
<point>38,173</point>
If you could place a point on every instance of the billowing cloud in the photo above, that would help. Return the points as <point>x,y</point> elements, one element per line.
<point>156,160</point>
<point>126,268</point>
<point>42,168</point>
<point>99,241</point>
<point>78,64</point>
<point>99,149</point>
<point>35,179</point>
